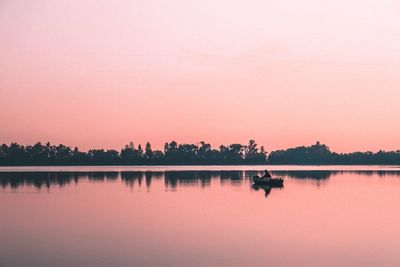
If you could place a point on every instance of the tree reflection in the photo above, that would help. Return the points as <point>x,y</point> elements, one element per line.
<point>307,175</point>
<point>172,179</point>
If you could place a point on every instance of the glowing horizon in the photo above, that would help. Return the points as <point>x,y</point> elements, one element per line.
<point>99,74</point>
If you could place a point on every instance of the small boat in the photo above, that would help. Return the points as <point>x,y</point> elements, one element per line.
<point>276,182</point>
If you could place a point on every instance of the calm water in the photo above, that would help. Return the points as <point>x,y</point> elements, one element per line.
<point>199,216</point>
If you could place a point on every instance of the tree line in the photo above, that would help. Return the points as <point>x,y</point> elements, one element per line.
<point>320,154</point>
<point>186,154</point>
<point>173,154</point>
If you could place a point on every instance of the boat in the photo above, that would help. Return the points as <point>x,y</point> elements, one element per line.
<point>273,182</point>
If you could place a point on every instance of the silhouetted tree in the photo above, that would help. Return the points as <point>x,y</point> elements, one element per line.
<point>253,154</point>
<point>148,151</point>
<point>184,154</point>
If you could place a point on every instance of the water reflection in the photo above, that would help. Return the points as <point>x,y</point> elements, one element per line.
<point>49,179</point>
<point>172,179</point>
<point>266,188</point>
<point>307,175</point>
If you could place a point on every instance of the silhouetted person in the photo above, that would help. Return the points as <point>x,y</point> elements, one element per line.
<point>267,175</point>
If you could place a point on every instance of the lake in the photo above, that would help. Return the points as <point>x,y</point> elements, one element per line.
<point>199,216</point>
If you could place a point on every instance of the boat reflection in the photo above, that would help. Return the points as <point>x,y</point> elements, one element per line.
<point>267,188</point>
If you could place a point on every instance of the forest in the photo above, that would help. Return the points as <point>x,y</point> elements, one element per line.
<point>187,154</point>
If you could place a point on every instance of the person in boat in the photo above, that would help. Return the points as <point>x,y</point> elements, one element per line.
<point>267,175</point>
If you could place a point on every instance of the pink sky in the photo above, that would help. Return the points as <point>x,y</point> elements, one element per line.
<point>286,73</point>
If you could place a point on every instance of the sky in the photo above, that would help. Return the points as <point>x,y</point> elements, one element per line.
<point>99,74</point>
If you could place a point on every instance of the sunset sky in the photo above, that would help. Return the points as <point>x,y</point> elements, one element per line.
<point>286,73</point>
